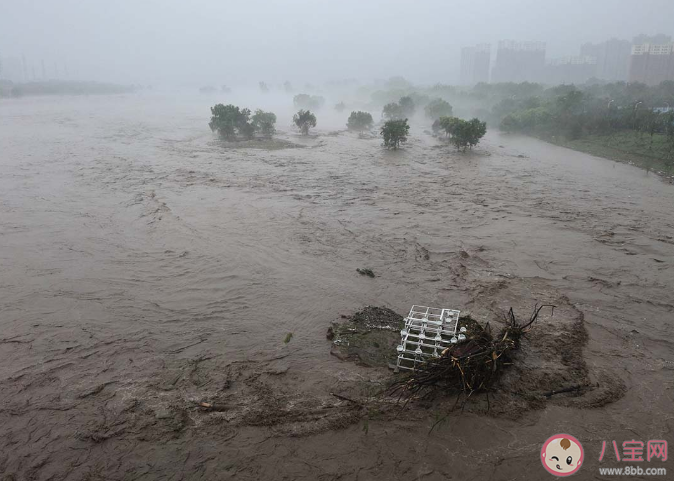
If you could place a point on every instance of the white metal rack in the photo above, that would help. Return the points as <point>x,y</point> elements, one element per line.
<point>427,332</point>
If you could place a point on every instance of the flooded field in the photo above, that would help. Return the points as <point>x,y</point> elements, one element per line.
<point>146,266</point>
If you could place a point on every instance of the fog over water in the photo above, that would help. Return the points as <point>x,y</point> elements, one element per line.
<point>208,41</point>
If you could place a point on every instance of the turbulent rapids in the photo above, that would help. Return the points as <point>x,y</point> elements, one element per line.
<point>165,295</point>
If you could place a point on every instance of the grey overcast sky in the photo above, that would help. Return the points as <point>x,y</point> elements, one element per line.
<point>223,41</point>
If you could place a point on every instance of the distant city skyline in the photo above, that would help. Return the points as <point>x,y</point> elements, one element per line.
<point>22,69</point>
<point>216,42</point>
<point>647,58</point>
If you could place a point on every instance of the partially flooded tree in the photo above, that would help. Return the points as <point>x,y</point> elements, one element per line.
<point>264,122</point>
<point>476,130</point>
<point>392,111</point>
<point>395,133</point>
<point>304,120</point>
<point>226,119</point>
<point>437,108</point>
<point>263,87</point>
<point>463,133</point>
<point>243,124</point>
<point>340,107</point>
<point>360,121</point>
<point>288,86</point>
<point>449,125</point>
<point>230,120</point>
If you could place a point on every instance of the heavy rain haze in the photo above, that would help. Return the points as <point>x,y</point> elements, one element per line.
<point>173,42</point>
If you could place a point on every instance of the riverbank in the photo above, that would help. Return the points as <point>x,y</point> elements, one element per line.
<point>61,87</point>
<point>652,154</point>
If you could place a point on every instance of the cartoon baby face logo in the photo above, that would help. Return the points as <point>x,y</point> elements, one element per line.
<point>562,455</point>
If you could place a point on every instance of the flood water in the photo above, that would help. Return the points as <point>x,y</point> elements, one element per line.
<point>145,265</point>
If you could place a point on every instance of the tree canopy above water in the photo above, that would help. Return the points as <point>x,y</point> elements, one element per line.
<point>395,133</point>
<point>304,120</point>
<point>230,121</point>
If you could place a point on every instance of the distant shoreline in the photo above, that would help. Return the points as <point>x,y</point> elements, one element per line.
<point>57,87</point>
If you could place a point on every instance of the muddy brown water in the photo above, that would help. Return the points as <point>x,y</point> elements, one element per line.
<point>145,266</point>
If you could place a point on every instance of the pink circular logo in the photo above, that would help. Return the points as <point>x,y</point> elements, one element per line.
<point>562,455</point>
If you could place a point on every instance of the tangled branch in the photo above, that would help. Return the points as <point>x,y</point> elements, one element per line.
<point>471,366</point>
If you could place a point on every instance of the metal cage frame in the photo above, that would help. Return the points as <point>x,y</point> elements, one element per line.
<point>428,331</point>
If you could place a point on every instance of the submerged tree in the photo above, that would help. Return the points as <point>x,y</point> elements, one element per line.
<point>264,87</point>
<point>359,121</point>
<point>340,107</point>
<point>437,108</point>
<point>395,133</point>
<point>288,86</point>
<point>264,122</point>
<point>304,120</point>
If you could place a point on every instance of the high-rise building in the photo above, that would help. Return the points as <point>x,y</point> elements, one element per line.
<point>612,58</point>
<point>475,62</point>
<point>652,64</point>
<point>570,70</point>
<point>659,39</point>
<point>519,62</point>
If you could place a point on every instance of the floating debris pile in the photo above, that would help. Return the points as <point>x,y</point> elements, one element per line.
<point>464,367</point>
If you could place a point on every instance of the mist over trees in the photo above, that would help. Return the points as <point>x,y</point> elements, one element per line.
<point>404,108</point>
<point>630,117</point>
<point>392,111</point>
<point>360,121</point>
<point>437,108</point>
<point>308,102</point>
<point>407,106</point>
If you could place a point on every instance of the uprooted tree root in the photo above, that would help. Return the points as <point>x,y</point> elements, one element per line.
<point>469,367</point>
